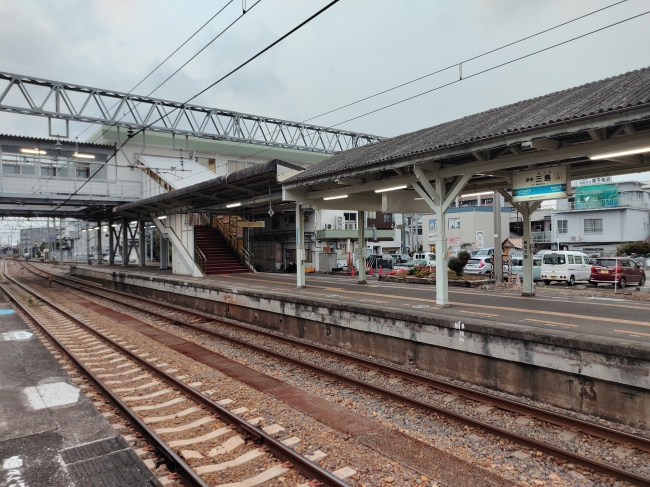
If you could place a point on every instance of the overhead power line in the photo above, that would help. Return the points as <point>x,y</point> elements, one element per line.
<point>129,137</point>
<point>493,68</point>
<point>465,61</point>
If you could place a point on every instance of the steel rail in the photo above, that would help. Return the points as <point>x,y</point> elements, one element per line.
<point>528,442</point>
<point>306,468</point>
<point>557,419</point>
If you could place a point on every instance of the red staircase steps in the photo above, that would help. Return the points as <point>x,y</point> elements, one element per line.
<point>219,256</point>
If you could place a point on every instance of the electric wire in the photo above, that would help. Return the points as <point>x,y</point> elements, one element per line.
<point>465,61</point>
<point>130,136</point>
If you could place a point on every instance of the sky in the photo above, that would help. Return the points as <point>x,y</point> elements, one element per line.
<point>354,49</point>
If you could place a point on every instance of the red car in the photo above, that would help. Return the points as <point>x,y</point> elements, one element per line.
<point>622,270</point>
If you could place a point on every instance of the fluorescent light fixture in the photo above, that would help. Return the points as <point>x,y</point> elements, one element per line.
<point>83,156</point>
<point>83,231</point>
<point>394,188</point>
<point>335,197</point>
<point>476,194</point>
<point>114,225</point>
<point>418,199</point>
<point>95,228</point>
<point>620,154</point>
<point>233,205</point>
<point>32,151</point>
<point>162,217</point>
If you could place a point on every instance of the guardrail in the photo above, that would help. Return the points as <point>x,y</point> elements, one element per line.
<point>244,254</point>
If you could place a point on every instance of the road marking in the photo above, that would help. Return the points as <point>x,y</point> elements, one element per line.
<point>634,333</point>
<point>477,313</point>
<point>550,322</point>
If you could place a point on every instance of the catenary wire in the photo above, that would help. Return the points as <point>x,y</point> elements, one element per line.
<point>129,137</point>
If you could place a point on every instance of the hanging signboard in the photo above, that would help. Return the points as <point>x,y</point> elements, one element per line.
<point>541,184</point>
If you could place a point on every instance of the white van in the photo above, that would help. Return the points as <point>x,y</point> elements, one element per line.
<point>430,257</point>
<point>565,265</point>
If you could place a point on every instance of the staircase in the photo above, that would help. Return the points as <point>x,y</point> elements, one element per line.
<point>218,254</point>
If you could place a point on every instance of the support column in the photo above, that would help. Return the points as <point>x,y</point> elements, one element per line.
<point>88,244</point>
<point>164,252</point>
<point>143,244</point>
<point>300,245</point>
<point>498,253</point>
<point>527,254</point>
<point>442,279</point>
<point>361,229</point>
<point>100,252</point>
<point>125,242</point>
<point>60,241</point>
<point>111,242</point>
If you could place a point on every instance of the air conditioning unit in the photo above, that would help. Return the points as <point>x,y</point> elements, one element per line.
<point>339,222</point>
<point>576,239</point>
<point>328,226</point>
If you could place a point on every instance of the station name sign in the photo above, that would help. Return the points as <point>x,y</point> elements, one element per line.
<point>541,184</point>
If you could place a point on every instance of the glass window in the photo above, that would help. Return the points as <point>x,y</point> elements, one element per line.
<point>372,215</point>
<point>234,166</point>
<point>554,259</point>
<point>28,167</point>
<point>562,226</point>
<point>100,170</point>
<point>388,218</point>
<point>82,170</point>
<point>537,262</point>
<point>350,217</point>
<point>453,223</point>
<point>605,262</point>
<point>432,225</point>
<point>10,168</point>
<point>593,225</point>
<point>578,259</point>
<point>571,261</point>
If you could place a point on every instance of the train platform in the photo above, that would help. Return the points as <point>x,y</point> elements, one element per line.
<point>51,434</point>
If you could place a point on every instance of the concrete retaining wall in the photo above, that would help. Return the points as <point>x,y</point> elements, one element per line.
<point>601,376</point>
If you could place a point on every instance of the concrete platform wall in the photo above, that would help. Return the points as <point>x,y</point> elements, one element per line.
<point>609,378</point>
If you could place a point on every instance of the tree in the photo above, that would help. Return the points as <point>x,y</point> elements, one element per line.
<point>642,249</point>
<point>456,265</point>
<point>464,256</point>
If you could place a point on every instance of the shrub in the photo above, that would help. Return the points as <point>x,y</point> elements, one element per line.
<point>464,256</point>
<point>456,265</point>
<point>642,249</point>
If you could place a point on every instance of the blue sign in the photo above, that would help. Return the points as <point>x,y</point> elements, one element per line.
<point>51,239</point>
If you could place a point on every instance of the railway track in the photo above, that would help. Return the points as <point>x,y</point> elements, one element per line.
<point>153,402</point>
<point>196,321</point>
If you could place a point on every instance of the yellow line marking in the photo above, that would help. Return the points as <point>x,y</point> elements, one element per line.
<point>477,313</point>
<point>550,322</point>
<point>633,333</point>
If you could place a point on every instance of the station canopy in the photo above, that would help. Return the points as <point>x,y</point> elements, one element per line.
<point>176,172</point>
<point>590,128</point>
<point>257,186</point>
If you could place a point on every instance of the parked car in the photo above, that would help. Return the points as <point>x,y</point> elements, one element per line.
<point>565,265</point>
<point>517,267</point>
<point>484,252</point>
<point>483,266</point>
<point>620,270</point>
<point>407,266</point>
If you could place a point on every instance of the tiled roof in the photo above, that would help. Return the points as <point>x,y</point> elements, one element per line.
<point>592,99</point>
<point>64,142</point>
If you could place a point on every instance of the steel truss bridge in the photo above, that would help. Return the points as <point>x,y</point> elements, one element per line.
<point>57,100</point>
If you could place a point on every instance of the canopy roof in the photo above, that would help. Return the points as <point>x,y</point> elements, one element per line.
<point>253,186</point>
<point>178,172</point>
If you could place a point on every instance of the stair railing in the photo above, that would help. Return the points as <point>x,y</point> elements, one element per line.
<point>244,254</point>
<point>199,258</point>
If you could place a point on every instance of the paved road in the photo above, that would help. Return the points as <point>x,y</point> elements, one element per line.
<point>605,316</point>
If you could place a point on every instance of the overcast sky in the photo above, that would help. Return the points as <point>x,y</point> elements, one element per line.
<point>356,48</point>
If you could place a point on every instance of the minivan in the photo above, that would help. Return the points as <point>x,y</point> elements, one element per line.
<point>517,266</point>
<point>565,265</point>
<point>428,256</point>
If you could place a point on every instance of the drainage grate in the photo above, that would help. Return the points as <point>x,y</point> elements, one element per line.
<point>108,463</point>
<point>443,468</point>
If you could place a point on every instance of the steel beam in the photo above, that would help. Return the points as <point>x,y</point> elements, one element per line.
<point>71,102</point>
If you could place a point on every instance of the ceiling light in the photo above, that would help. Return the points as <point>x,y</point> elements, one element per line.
<point>32,151</point>
<point>476,194</point>
<point>161,217</point>
<point>233,205</point>
<point>619,154</point>
<point>114,225</point>
<point>418,199</point>
<point>335,197</point>
<point>95,228</point>
<point>391,189</point>
<point>83,156</point>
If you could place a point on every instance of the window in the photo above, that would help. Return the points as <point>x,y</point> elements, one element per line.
<point>234,166</point>
<point>554,259</point>
<point>562,226</point>
<point>10,168</point>
<point>571,261</point>
<point>372,215</point>
<point>82,170</point>
<point>432,225</point>
<point>593,225</point>
<point>388,218</point>
<point>487,201</point>
<point>578,259</point>
<point>350,217</point>
<point>453,223</point>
